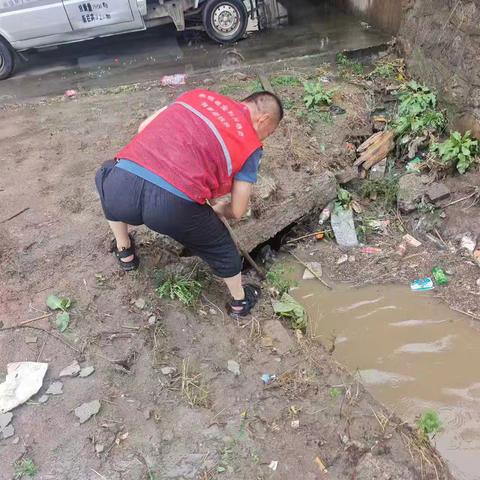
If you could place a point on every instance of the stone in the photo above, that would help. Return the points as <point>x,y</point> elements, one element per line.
<point>410,191</point>
<point>380,468</point>
<point>43,399</point>
<point>71,371</point>
<point>168,370</point>
<point>208,81</point>
<point>147,413</point>
<point>86,410</point>
<point>23,380</point>
<point>16,440</point>
<point>282,340</point>
<point>438,191</point>
<point>346,175</point>
<point>31,339</point>
<point>316,267</point>
<point>56,388</point>
<point>266,341</point>
<point>295,424</point>
<point>140,303</point>
<point>343,259</point>
<point>5,419</point>
<point>377,172</point>
<point>99,447</point>
<point>152,319</point>
<point>8,432</point>
<point>233,367</point>
<point>86,371</point>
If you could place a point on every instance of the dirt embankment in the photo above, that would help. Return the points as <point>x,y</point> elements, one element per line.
<point>170,407</point>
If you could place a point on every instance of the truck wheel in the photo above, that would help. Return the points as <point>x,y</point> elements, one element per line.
<point>225,21</point>
<point>7,60</point>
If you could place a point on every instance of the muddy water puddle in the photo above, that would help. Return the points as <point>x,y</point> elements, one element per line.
<point>412,353</point>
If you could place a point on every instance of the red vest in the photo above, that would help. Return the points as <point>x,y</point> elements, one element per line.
<point>197,144</point>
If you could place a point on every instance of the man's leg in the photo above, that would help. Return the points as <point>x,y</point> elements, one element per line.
<point>234,284</point>
<point>120,232</point>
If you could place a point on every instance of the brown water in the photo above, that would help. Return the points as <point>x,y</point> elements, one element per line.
<point>412,353</point>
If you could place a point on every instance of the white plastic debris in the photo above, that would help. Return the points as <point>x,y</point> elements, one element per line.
<point>273,465</point>
<point>24,379</point>
<point>233,367</point>
<point>171,80</point>
<point>467,242</point>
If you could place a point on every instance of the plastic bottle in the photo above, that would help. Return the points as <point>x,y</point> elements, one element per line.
<point>325,215</point>
<point>440,276</point>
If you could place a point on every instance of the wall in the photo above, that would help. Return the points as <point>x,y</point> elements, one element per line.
<point>384,14</point>
<point>440,40</point>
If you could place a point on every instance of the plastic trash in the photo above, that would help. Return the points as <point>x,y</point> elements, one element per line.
<point>468,242</point>
<point>440,276</point>
<point>172,80</point>
<point>371,250</point>
<point>70,93</point>
<point>325,215</point>
<point>344,227</point>
<point>415,165</point>
<point>267,378</point>
<point>422,285</point>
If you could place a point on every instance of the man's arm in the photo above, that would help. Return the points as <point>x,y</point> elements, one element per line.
<point>238,206</point>
<point>149,119</point>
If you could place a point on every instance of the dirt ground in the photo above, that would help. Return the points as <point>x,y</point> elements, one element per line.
<point>200,420</point>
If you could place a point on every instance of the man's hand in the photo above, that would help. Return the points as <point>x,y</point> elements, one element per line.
<point>237,208</point>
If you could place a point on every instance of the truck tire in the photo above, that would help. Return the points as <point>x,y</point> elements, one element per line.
<point>225,21</point>
<point>7,60</point>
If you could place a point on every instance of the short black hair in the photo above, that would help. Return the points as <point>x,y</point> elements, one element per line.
<point>266,102</point>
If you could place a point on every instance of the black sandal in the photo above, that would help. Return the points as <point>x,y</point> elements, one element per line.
<point>252,295</point>
<point>124,253</point>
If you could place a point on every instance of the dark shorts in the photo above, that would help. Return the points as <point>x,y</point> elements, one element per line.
<point>128,198</point>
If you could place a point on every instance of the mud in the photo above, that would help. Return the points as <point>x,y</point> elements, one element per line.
<point>412,352</point>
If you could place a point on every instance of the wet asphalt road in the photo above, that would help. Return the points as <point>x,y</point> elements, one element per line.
<point>313,29</point>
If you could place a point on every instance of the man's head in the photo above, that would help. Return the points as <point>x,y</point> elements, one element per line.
<point>266,111</point>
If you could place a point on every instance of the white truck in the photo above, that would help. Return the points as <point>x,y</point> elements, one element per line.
<point>33,24</point>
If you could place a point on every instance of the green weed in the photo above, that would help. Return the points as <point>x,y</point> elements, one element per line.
<point>316,94</point>
<point>289,308</point>
<point>314,116</point>
<point>255,86</point>
<point>334,393</point>
<point>384,188</point>
<point>285,81</point>
<point>347,65</point>
<point>383,70</point>
<point>276,277</point>
<point>429,423</point>
<point>417,111</point>
<point>344,198</point>
<point>459,150</point>
<point>62,319</point>
<point>230,89</point>
<point>25,468</point>
<point>181,288</point>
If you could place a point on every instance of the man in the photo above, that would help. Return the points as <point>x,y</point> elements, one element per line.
<point>201,147</point>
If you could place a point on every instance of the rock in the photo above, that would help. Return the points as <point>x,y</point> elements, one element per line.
<point>152,320</point>
<point>468,242</point>
<point>410,191</point>
<point>23,380</point>
<point>56,388</point>
<point>316,267</point>
<point>16,440</point>
<point>377,172</point>
<point>233,367</point>
<point>168,370</point>
<point>8,432</point>
<point>266,341</point>
<point>411,241</point>
<point>140,303</point>
<point>438,191</point>
<point>71,371</point>
<point>86,410</point>
<point>343,259</point>
<point>282,340</point>
<point>86,371</point>
<point>351,258</point>
<point>31,339</point>
<point>5,419</point>
<point>99,447</point>
<point>295,424</point>
<point>147,413</point>
<point>380,468</point>
<point>208,81</point>
<point>347,175</point>
<point>43,399</point>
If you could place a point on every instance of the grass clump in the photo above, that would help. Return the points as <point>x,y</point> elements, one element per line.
<point>429,424</point>
<point>178,287</point>
<point>277,278</point>
<point>285,81</point>
<point>461,150</point>
<point>385,188</point>
<point>193,388</point>
<point>349,66</point>
<point>25,468</point>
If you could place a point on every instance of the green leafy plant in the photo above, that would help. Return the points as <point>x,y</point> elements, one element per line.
<point>316,94</point>
<point>62,319</point>
<point>429,424</point>
<point>383,70</point>
<point>344,198</point>
<point>285,81</point>
<point>276,277</point>
<point>288,307</point>
<point>458,149</point>
<point>25,468</point>
<point>334,393</point>
<point>180,288</point>
<point>347,64</point>
<point>417,110</point>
